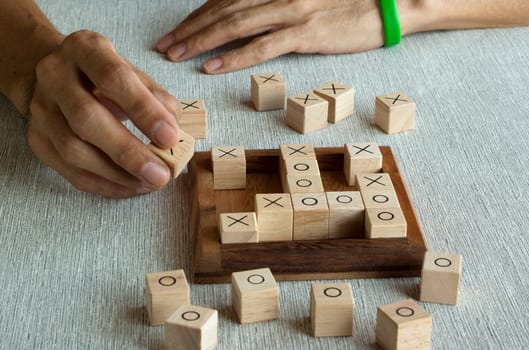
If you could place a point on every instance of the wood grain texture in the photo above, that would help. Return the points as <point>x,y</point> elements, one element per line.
<point>295,260</point>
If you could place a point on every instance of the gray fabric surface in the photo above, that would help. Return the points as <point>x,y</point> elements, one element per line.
<point>73,264</point>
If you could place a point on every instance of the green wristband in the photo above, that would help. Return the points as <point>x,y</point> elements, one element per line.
<point>390,19</point>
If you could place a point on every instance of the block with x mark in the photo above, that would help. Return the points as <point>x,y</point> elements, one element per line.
<point>229,167</point>
<point>394,113</point>
<point>177,157</point>
<point>374,182</point>
<point>340,98</point>
<point>268,91</point>
<point>306,113</point>
<point>294,153</point>
<point>274,216</point>
<point>361,158</point>
<point>193,118</point>
<point>238,228</point>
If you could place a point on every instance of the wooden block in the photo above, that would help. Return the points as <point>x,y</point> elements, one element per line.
<point>193,118</point>
<point>340,98</point>
<point>374,182</point>
<point>293,152</point>
<point>229,167</point>
<point>255,295</point>
<point>403,325</point>
<point>268,91</point>
<point>394,113</point>
<point>177,157</point>
<point>191,328</point>
<point>306,113</point>
<point>346,214</point>
<point>380,199</point>
<point>441,273</point>
<point>361,158</point>
<point>274,216</point>
<point>331,309</point>
<point>238,228</point>
<point>300,168</point>
<point>385,223</point>
<point>165,292</point>
<point>303,184</point>
<point>311,216</point>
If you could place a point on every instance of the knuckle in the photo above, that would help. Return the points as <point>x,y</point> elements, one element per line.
<point>85,39</point>
<point>112,75</point>
<point>126,152</point>
<point>71,150</point>
<point>263,46</point>
<point>83,122</point>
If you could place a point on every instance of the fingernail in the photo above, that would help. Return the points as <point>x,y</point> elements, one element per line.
<point>212,65</point>
<point>155,174</point>
<point>176,52</point>
<point>164,134</point>
<point>165,43</point>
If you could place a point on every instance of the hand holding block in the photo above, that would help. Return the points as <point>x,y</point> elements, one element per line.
<point>255,295</point>
<point>268,91</point>
<point>340,98</point>
<point>346,214</point>
<point>361,158</point>
<point>394,113</point>
<point>193,118</point>
<point>274,216</point>
<point>229,167</point>
<point>191,328</point>
<point>177,157</point>
<point>306,113</point>
<point>165,292</point>
<point>403,325</point>
<point>238,228</point>
<point>311,216</point>
<point>331,309</point>
<point>385,223</point>
<point>441,273</point>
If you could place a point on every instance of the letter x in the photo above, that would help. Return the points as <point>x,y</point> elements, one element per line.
<point>225,153</point>
<point>362,149</point>
<point>297,150</point>
<point>190,105</point>
<point>273,202</point>
<point>374,181</point>
<point>333,88</point>
<point>238,221</point>
<point>395,99</point>
<point>306,99</point>
<point>266,79</point>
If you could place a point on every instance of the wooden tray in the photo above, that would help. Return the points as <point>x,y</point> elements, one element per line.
<point>294,260</point>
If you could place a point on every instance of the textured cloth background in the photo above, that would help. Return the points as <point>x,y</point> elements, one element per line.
<point>73,264</point>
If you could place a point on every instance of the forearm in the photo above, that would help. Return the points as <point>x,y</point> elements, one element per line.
<point>26,36</point>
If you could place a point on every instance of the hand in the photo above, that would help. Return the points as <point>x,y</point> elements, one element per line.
<point>82,90</point>
<point>281,26</point>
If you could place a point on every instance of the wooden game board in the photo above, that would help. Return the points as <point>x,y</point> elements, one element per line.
<point>294,260</point>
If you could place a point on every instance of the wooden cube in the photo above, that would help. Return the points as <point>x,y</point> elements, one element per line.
<point>403,325</point>
<point>238,228</point>
<point>193,118</point>
<point>268,91</point>
<point>441,273</point>
<point>311,216</point>
<point>306,113</point>
<point>229,167</point>
<point>301,167</point>
<point>361,158</point>
<point>346,214</point>
<point>385,223</point>
<point>274,216</point>
<point>303,184</point>
<point>374,182</point>
<point>255,295</point>
<point>165,292</point>
<point>331,309</point>
<point>294,152</point>
<point>191,328</point>
<point>394,113</point>
<point>340,98</point>
<point>177,157</point>
<point>380,199</point>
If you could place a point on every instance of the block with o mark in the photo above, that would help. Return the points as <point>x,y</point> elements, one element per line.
<point>268,91</point>
<point>229,167</point>
<point>394,113</point>
<point>274,216</point>
<point>238,228</point>
<point>331,309</point>
<point>340,98</point>
<point>306,113</point>
<point>193,118</point>
<point>309,183</point>
<point>295,153</point>
<point>441,273</point>
<point>385,223</point>
<point>374,182</point>
<point>380,199</point>
<point>165,292</point>
<point>177,157</point>
<point>255,295</point>
<point>346,214</point>
<point>192,328</point>
<point>361,158</point>
<point>311,216</point>
<point>403,325</point>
